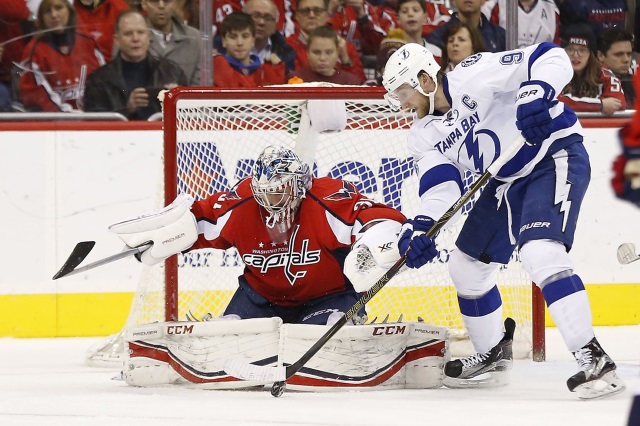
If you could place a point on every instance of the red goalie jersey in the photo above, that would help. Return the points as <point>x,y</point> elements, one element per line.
<point>309,263</point>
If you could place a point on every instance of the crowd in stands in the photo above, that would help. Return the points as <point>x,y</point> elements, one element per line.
<point>115,55</point>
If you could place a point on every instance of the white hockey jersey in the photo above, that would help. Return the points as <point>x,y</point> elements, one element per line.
<point>480,125</point>
<point>538,25</point>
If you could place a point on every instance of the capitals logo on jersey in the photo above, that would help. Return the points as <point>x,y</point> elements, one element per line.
<point>348,190</point>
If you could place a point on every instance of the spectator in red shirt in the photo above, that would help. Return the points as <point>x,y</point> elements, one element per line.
<point>322,52</point>
<point>97,17</point>
<point>311,14</point>
<point>594,88</point>
<point>357,22</point>
<point>14,27</point>
<point>239,67</point>
<point>56,63</point>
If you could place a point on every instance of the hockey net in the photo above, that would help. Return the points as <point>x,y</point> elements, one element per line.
<point>212,137</point>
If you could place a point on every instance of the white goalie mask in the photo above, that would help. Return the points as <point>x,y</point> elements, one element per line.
<point>280,181</point>
<point>403,67</point>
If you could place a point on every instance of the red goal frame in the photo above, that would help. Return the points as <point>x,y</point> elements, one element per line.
<point>170,101</point>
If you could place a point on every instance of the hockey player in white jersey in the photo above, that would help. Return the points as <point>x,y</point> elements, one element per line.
<point>465,120</point>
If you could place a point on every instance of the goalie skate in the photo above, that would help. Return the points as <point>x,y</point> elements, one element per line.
<point>483,370</point>
<point>597,376</point>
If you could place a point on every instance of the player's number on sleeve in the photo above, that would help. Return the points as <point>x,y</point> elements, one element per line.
<point>512,58</point>
<point>221,199</point>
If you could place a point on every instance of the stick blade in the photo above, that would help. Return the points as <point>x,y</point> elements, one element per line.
<point>255,373</point>
<point>79,253</point>
<point>627,253</point>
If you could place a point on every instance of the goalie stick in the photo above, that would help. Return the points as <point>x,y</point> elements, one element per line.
<point>82,250</point>
<point>627,253</point>
<point>280,374</point>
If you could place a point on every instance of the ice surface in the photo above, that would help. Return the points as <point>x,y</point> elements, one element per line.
<point>45,382</point>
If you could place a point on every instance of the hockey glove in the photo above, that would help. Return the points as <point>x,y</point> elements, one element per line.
<point>415,244</point>
<point>626,170</point>
<point>533,102</point>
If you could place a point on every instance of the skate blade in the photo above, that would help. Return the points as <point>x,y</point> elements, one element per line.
<point>607,385</point>
<point>492,379</point>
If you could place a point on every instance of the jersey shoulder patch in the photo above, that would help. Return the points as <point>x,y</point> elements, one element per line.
<point>220,203</point>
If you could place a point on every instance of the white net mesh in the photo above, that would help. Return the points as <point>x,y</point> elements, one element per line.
<point>217,142</point>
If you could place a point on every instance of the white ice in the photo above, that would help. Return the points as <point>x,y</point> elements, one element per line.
<point>45,382</point>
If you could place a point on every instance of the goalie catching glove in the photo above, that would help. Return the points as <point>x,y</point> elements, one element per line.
<point>372,254</point>
<point>415,244</point>
<point>171,230</point>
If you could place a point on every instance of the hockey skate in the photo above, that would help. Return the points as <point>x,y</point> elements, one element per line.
<point>483,370</point>
<point>597,376</point>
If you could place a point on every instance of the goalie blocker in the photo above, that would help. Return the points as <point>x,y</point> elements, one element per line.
<point>364,357</point>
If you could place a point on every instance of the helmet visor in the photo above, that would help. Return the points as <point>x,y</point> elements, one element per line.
<point>399,96</point>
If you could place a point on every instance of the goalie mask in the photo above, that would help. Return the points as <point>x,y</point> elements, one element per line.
<point>401,74</point>
<point>280,181</point>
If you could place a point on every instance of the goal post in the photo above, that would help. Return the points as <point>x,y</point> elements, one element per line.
<point>213,136</point>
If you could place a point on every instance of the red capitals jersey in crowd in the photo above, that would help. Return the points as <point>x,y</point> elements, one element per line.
<point>631,131</point>
<point>365,37</point>
<point>436,11</point>
<point>309,263</point>
<point>100,21</point>
<point>286,26</point>
<point>302,59</point>
<point>12,13</point>
<point>52,80</point>
<point>610,87</point>
<point>224,75</point>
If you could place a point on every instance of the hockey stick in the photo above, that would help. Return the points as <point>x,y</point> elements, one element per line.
<point>280,374</point>
<point>81,251</point>
<point>627,253</point>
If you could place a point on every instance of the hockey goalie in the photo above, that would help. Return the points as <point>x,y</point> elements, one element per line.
<point>310,247</point>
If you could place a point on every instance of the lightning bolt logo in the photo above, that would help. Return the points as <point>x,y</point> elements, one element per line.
<point>563,187</point>
<point>474,150</point>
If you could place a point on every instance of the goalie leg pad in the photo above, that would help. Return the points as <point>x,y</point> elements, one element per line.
<point>367,357</point>
<point>192,354</point>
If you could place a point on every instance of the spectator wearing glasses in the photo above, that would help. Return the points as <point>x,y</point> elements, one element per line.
<point>97,17</point>
<point>593,88</point>
<point>284,17</point>
<point>270,45</point>
<point>311,14</point>
<point>172,39</point>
